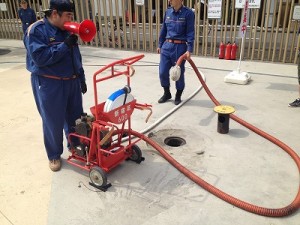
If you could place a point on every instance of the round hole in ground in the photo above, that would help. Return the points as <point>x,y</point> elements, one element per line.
<point>4,51</point>
<point>174,141</point>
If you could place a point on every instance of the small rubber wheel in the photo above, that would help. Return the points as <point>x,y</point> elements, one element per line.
<point>98,177</point>
<point>136,154</point>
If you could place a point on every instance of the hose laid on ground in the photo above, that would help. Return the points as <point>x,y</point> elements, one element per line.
<point>270,212</point>
<point>165,116</point>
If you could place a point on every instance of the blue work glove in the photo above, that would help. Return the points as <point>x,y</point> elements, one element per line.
<point>83,87</point>
<point>71,40</point>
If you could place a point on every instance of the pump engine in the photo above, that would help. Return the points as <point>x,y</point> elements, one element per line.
<point>83,127</point>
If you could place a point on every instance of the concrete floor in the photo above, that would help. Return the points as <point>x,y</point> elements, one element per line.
<point>240,163</point>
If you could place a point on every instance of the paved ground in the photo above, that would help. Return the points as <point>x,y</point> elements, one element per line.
<point>240,163</point>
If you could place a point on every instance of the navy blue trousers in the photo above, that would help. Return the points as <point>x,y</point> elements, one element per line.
<point>59,103</point>
<point>169,55</point>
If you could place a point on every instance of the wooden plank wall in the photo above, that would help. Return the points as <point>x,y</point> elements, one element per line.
<point>271,32</point>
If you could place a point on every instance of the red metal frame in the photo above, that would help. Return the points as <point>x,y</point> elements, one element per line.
<point>114,121</point>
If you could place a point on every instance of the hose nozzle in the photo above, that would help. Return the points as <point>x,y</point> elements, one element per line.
<point>175,72</point>
<point>126,89</point>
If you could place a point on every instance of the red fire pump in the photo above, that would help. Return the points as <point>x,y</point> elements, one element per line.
<point>228,51</point>
<point>221,50</point>
<point>98,144</point>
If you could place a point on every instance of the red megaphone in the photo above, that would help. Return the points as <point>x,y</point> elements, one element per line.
<point>86,29</point>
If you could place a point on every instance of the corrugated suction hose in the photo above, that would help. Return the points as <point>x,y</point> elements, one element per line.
<point>278,212</point>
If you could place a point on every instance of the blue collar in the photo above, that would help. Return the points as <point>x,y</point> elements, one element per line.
<point>52,28</point>
<point>179,10</point>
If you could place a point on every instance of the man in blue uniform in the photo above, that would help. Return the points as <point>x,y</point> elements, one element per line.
<point>296,103</point>
<point>26,15</point>
<point>176,38</point>
<point>57,76</point>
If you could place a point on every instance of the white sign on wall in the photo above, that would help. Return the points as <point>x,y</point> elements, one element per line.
<point>3,7</point>
<point>214,9</point>
<point>139,2</point>
<point>296,13</point>
<point>253,4</point>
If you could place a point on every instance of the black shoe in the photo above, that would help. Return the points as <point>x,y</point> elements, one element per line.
<point>165,98</point>
<point>295,103</point>
<point>177,101</point>
<point>178,97</point>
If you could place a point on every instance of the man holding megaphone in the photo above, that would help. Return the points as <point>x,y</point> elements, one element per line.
<point>57,75</point>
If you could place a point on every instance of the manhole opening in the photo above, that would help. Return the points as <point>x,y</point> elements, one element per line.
<point>4,51</point>
<point>174,141</point>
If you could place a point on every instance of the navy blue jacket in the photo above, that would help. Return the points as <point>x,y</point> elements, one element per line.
<point>27,17</point>
<point>47,54</point>
<point>178,25</point>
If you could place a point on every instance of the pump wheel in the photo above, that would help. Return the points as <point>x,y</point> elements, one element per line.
<point>136,154</point>
<point>98,177</point>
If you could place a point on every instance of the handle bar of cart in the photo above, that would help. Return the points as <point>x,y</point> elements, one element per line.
<point>97,110</point>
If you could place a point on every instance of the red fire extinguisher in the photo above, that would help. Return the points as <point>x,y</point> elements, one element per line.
<point>221,50</point>
<point>233,51</point>
<point>228,51</point>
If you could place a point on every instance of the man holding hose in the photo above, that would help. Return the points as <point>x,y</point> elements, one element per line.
<point>176,38</point>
